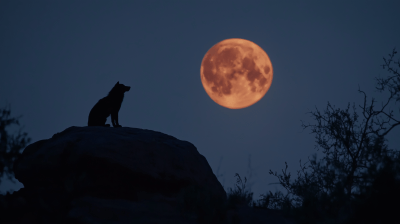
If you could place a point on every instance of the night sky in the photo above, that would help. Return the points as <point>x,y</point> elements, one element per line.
<point>58,58</point>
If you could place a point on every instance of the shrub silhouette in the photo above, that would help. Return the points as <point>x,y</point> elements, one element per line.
<point>11,145</point>
<point>239,196</point>
<point>377,203</point>
<point>357,169</point>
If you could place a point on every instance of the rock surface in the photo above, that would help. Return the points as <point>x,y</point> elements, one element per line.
<point>249,215</point>
<point>93,174</point>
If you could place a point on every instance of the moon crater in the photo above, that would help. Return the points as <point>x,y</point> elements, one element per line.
<point>236,73</point>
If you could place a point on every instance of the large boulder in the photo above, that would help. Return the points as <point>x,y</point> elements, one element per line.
<point>92,174</point>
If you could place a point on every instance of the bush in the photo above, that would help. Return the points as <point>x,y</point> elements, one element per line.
<point>11,145</point>
<point>358,171</point>
<point>239,196</point>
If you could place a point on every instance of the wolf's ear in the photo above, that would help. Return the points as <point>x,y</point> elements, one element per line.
<point>117,83</point>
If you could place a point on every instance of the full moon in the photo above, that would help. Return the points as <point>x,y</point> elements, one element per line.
<point>236,73</point>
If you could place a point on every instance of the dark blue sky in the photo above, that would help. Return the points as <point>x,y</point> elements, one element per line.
<point>58,58</point>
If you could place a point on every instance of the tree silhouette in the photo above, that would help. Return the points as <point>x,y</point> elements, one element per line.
<point>11,145</point>
<point>355,153</point>
<point>392,85</point>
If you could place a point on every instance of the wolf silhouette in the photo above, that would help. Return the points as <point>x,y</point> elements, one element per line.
<point>107,106</point>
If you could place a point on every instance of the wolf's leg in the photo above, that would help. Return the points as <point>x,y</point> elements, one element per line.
<point>114,119</point>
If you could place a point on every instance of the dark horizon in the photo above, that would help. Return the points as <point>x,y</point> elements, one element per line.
<point>59,58</point>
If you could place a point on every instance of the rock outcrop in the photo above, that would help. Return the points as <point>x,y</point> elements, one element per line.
<point>117,175</point>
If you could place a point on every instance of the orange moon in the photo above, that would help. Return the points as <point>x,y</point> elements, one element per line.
<point>236,73</point>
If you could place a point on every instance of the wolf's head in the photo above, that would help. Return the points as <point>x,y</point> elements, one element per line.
<point>120,88</point>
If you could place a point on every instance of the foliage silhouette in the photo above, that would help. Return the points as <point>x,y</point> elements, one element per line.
<point>239,196</point>
<point>11,145</point>
<point>357,168</point>
<point>377,202</point>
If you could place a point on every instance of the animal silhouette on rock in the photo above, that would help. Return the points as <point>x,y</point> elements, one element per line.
<point>107,106</point>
